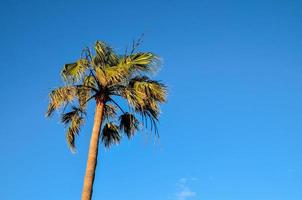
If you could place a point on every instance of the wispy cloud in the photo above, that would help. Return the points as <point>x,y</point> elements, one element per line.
<point>184,192</point>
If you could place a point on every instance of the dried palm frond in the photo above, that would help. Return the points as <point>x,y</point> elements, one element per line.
<point>129,124</point>
<point>60,97</point>
<point>74,120</point>
<point>110,135</point>
<point>110,111</point>
<point>83,95</point>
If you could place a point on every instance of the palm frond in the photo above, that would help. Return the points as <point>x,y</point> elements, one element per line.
<point>105,55</point>
<point>116,75</point>
<point>109,76</point>
<point>110,111</point>
<point>110,135</point>
<point>67,117</point>
<point>141,100</point>
<point>90,81</point>
<point>74,119</point>
<point>50,109</point>
<point>116,70</point>
<point>142,61</point>
<point>150,114</point>
<point>73,72</point>
<point>147,88</point>
<point>101,76</point>
<point>144,96</point>
<point>83,95</point>
<point>147,108</point>
<point>131,97</point>
<point>59,97</point>
<point>127,67</point>
<point>129,124</point>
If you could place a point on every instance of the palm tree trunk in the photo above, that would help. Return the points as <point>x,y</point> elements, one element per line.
<point>93,152</point>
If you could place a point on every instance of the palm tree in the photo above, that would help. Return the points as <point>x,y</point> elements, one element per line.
<point>103,76</point>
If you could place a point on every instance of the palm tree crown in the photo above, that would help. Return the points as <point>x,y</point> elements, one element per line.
<point>102,76</point>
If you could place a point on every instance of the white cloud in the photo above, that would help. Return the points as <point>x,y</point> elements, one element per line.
<point>184,192</point>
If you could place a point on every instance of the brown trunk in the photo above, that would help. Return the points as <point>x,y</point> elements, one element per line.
<point>93,152</point>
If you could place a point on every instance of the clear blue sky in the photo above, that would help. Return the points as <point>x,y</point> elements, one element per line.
<point>231,130</point>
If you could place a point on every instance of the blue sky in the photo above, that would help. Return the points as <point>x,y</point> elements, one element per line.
<point>231,129</point>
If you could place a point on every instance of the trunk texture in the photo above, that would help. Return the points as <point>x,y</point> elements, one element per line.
<point>93,152</point>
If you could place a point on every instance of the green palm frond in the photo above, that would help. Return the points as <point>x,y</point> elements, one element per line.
<point>115,75</point>
<point>144,96</point>
<point>73,72</point>
<point>146,88</point>
<point>129,124</point>
<point>101,50</point>
<point>126,67</point>
<point>59,97</point>
<point>131,65</point>
<point>110,135</point>
<point>112,75</point>
<point>141,61</point>
<point>101,76</point>
<point>74,119</point>
<point>109,76</point>
<point>105,55</point>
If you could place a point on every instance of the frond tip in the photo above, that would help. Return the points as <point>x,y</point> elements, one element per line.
<point>148,88</point>
<point>143,61</point>
<point>74,119</point>
<point>104,54</point>
<point>129,124</point>
<point>73,72</point>
<point>144,96</point>
<point>60,97</point>
<point>110,135</point>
